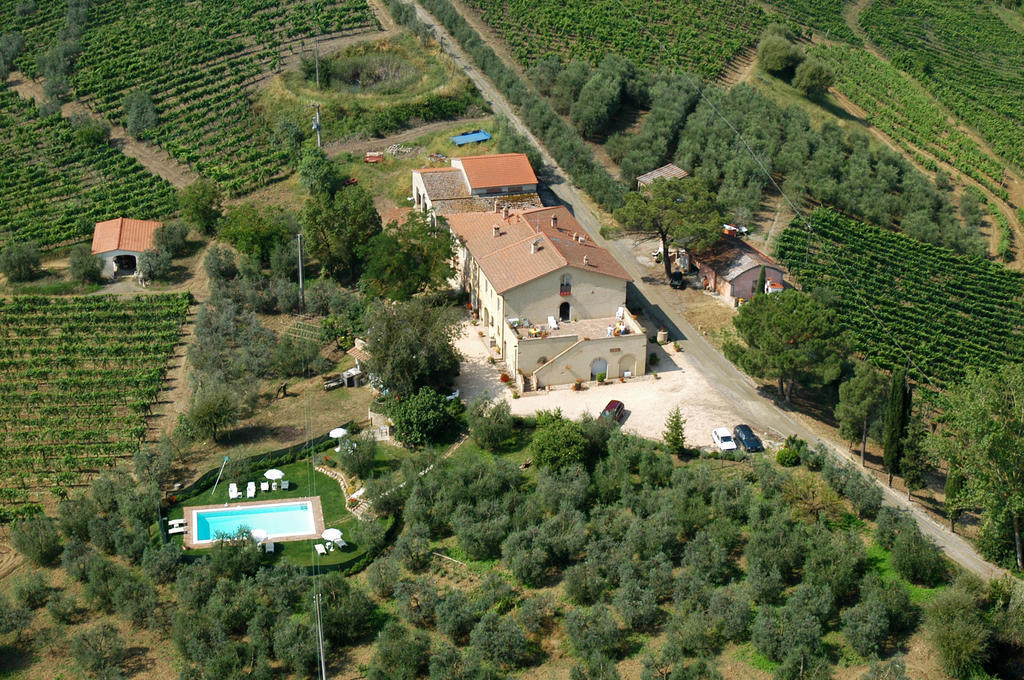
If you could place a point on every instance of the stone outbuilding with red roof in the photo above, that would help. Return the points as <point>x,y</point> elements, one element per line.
<point>549,299</point>
<point>474,183</point>
<point>119,242</point>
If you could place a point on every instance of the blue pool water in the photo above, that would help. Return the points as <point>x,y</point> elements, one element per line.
<point>277,520</point>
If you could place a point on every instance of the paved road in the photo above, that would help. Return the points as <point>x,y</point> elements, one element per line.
<point>733,386</point>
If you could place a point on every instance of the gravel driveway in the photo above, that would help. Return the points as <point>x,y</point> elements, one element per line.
<point>647,400</point>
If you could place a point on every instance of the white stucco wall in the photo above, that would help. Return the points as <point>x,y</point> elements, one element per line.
<point>108,260</point>
<point>623,353</point>
<point>594,296</point>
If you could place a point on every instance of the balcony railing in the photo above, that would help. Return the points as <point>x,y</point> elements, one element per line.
<point>565,289</point>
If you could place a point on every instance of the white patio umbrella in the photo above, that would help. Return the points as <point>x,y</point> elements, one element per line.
<point>259,535</point>
<point>331,534</point>
<point>338,433</point>
<point>273,474</point>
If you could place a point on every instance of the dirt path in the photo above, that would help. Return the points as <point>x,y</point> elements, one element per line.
<point>739,68</point>
<point>359,146</point>
<point>153,158</point>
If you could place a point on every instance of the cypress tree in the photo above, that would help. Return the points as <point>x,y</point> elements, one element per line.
<point>760,282</point>
<point>897,413</point>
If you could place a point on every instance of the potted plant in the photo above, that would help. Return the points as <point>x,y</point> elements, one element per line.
<point>578,385</point>
<point>600,378</point>
<point>676,347</point>
<point>505,377</point>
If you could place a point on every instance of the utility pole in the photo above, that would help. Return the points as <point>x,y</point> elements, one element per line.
<point>302,284</point>
<point>316,126</point>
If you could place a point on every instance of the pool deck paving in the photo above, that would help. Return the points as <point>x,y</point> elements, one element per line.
<point>318,519</point>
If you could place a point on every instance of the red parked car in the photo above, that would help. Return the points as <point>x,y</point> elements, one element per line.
<point>613,410</point>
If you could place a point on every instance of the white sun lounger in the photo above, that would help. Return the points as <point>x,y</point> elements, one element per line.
<point>233,491</point>
<point>320,549</point>
<point>176,522</point>
<point>341,543</point>
<point>177,530</point>
<point>250,490</point>
<point>284,484</point>
<point>264,486</point>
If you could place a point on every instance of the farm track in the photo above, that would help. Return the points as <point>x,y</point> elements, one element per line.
<point>359,145</point>
<point>152,157</point>
<point>734,386</point>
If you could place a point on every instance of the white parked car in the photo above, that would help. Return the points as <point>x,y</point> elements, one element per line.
<point>723,439</point>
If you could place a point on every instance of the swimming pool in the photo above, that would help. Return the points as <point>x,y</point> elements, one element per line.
<point>293,520</point>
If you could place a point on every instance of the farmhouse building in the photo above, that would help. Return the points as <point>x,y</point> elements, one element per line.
<point>732,267</point>
<point>119,242</point>
<point>669,171</point>
<point>549,299</point>
<point>475,183</point>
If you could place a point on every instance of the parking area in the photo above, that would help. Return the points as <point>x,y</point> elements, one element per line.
<point>647,399</point>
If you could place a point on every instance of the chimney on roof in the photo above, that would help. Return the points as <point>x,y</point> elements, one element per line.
<point>554,221</point>
<point>583,238</point>
<point>586,260</point>
<point>504,212</point>
<point>535,246</point>
<point>575,236</point>
<point>496,230</point>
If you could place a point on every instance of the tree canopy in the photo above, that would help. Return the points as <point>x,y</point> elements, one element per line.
<point>409,257</point>
<point>982,438</point>
<point>682,211</point>
<point>339,229</point>
<point>861,404</point>
<point>411,345</point>
<point>790,337</point>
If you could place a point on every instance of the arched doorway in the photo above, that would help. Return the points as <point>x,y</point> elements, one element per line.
<point>599,365</point>
<point>627,363</point>
<point>563,311</point>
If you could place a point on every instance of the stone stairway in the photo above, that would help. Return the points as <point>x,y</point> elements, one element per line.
<point>362,509</point>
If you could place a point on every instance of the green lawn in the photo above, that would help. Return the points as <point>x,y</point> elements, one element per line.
<point>881,561</point>
<point>303,481</point>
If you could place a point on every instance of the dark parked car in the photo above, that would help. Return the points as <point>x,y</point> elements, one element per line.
<point>613,410</point>
<point>747,439</point>
<point>677,281</point>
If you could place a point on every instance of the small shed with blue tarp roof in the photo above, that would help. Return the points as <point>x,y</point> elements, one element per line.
<point>471,137</point>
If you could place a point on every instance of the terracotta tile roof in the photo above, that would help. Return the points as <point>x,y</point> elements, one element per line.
<point>565,236</point>
<point>123,234</point>
<point>730,257</point>
<point>667,171</point>
<point>498,170</point>
<point>507,259</point>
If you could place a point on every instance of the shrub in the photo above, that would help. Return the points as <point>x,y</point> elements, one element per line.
<point>84,266</point>
<point>172,238</point>
<point>787,457</point>
<point>37,539</point>
<point>490,424</point>
<point>866,626</point>
<point>99,651</point>
<point>154,264</point>
<point>917,559</point>
<point>31,590</point>
<point>422,418</point>
<point>958,632</point>
<point>19,261</point>
<point>162,563</point>
<point>62,607</point>
<point>891,523</point>
<point>400,654</point>
<point>593,631</point>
